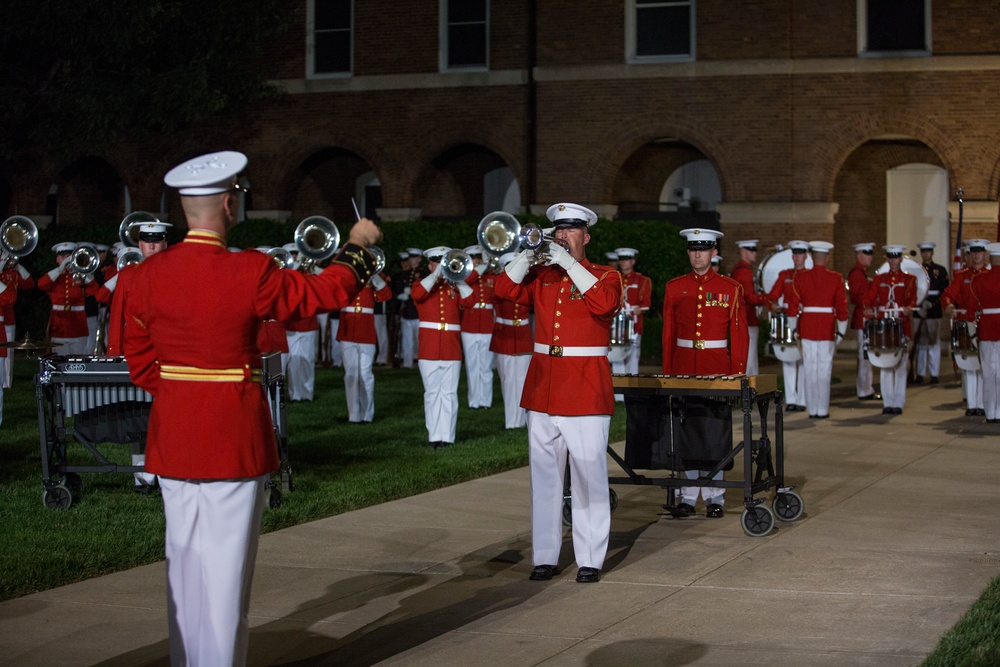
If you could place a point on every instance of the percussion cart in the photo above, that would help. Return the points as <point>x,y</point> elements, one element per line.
<point>91,401</point>
<point>651,401</point>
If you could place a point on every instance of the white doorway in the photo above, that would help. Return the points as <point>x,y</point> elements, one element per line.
<point>917,208</point>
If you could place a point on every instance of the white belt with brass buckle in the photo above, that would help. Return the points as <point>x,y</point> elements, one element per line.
<point>485,306</point>
<point>702,344</point>
<point>358,309</point>
<point>817,309</point>
<point>513,323</point>
<point>563,351</point>
<point>440,326</point>
<point>65,308</point>
<point>990,311</point>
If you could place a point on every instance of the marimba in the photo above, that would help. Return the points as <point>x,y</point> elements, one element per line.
<point>91,401</point>
<point>651,403</point>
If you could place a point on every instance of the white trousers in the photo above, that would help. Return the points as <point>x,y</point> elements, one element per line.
<point>865,376</point>
<point>790,370</point>
<point>7,378</point>
<point>753,365</point>
<point>989,357</point>
<point>629,363</point>
<point>92,327</point>
<point>70,346</point>
<point>817,371</point>
<point>440,398</point>
<point>893,384</point>
<point>381,339</point>
<point>585,440</point>
<point>478,368</point>
<point>711,494</point>
<point>974,388</point>
<point>359,381</point>
<point>299,365</point>
<point>929,349</point>
<point>408,332</point>
<point>211,545</point>
<point>333,345</point>
<point>512,369</point>
<point>142,478</point>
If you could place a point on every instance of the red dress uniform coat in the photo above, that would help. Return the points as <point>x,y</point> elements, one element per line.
<point>440,308</point>
<point>857,284</point>
<point>511,329</point>
<point>901,285</point>
<point>272,337</point>
<point>743,274</point>
<point>477,310</point>
<point>68,319</point>
<point>357,321</point>
<point>959,293</point>
<point>704,308</point>
<point>7,299</point>
<point>14,282</point>
<point>819,287</point>
<point>638,292</point>
<point>194,314</point>
<point>784,286</point>
<point>985,290</point>
<point>116,312</point>
<point>568,386</point>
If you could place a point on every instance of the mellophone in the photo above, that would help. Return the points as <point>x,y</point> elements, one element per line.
<point>660,407</point>
<point>91,401</point>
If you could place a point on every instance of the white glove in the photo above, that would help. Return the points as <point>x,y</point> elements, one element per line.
<point>517,268</point>
<point>23,271</point>
<point>559,255</point>
<point>65,263</point>
<point>3,287</point>
<point>841,330</point>
<point>88,279</point>
<point>481,268</point>
<point>377,282</point>
<point>464,290</point>
<point>110,285</point>
<point>55,273</point>
<point>428,282</point>
<point>793,322</point>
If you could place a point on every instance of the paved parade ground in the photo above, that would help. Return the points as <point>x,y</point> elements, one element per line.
<point>898,539</point>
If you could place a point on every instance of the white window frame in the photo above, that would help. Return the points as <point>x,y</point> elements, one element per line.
<point>311,72</point>
<point>631,39</point>
<point>863,35</point>
<point>443,65</point>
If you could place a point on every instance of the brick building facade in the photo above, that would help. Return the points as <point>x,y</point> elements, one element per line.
<point>798,120</point>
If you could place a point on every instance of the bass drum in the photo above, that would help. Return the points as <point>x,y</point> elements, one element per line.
<point>915,269</point>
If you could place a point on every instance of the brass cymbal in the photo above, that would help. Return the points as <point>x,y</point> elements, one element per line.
<point>29,345</point>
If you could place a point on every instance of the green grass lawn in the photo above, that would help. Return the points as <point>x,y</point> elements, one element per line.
<point>337,467</point>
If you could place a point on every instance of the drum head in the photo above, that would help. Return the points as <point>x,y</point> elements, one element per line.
<point>915,269</point>
<point>776,262</point>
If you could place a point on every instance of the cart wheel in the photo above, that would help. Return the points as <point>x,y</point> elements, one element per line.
<point>74,483</point>
<point>757,521</point>
<point>614,500</point>
<point>274,500</point>
<point>788,506</point>
<point>58,497</point>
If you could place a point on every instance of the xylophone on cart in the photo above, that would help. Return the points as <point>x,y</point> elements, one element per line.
<point>657,407</point>
<point>91,401</point>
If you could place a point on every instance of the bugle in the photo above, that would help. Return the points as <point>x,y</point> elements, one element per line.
<point>281,257</point>
<point>18,238</point>
<point>379,258</point>
<point>456,265</point>
<point>128,230</point>
<point>500,232</point>
<point>128,257</point>
<point>317,238</point>
<point>84,261</point>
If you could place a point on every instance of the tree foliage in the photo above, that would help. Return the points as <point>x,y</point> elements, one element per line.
<point>80,74</point>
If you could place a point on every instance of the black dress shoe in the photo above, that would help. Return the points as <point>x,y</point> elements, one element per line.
<point>934,379</point>
<point>888,411</point>
<point>980,412</point>
<point>897,411</point>
<point>993,421</point>
<point>683,510</point>
<point>588,575</point>
<point>918,380</point>
<point>869,397</point>
<point>714,511</point>
<point>544,572</point>
<point>970,412</point>
<point>819,416</point>
<point>791,407</point>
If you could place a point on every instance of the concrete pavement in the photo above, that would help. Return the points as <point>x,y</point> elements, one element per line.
<point>898,539</point>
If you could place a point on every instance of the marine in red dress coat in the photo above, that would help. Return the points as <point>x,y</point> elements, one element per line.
<point>68,293</point>
<point>357,320</point>
<point>820,288</point>
<point>742,273</point>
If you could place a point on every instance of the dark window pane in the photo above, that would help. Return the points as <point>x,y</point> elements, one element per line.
<point>333,14</point>
<point>463,11</point>
<point>663,31</point>
<point>467,45</point>
<point>896,25</point>
<point>333,52</point>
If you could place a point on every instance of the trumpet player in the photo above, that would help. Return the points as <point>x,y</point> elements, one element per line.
<point>67,290</point>
<point>568,392</point>
<point>477,330</point>
<point>409,275</point>
<point>8,295</point>
<point>512,347</point>
<point>439,352</point>
<point>15,277</point>
<point>638,297</point>
<point>357,337</point>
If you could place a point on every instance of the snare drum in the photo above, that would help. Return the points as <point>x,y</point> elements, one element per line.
<point>884,334</point>
<point>782,333</point>
<point>622,329</point>
<point>963,336</point>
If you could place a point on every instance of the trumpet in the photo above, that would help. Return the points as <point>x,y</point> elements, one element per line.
<point>84,262</point>
<point>128,257</point>
<point>500,232</point>
<point>456,266</point>
<point>18,237</point>
<point>281,257</point>
<point>379,258</point>
<point>317,238</point>
<point>129,236</point>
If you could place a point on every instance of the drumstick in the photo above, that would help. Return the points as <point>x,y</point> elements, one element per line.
<point>357,213</point>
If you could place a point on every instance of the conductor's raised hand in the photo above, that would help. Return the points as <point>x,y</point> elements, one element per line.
<point>364,233</point>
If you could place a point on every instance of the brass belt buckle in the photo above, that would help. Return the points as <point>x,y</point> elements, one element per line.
<point>442,326</point>
<point>517,321</point>
<point>699,345</point>
<point>357,309</point>
<point>555,350</point>
<point>66,307</point>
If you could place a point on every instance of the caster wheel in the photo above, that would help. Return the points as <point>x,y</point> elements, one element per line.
<point>788,506</point>
<point>58,497</point>
<point>614,500</point>
<point>274,500</point>
<point>757,521</point>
